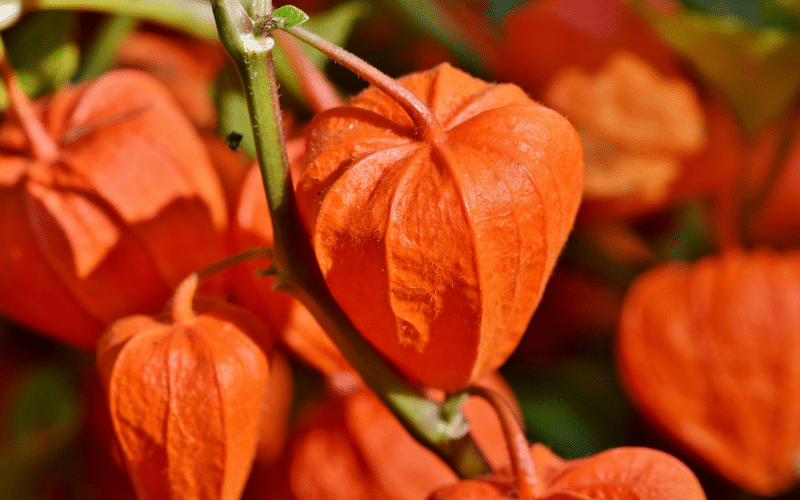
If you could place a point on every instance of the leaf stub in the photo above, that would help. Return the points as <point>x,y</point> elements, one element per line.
<point>288,16</point>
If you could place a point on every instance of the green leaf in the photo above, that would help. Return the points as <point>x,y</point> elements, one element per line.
<point>335,25</point>
<point>42,52</point>
<point>288,16</point>
<point>755,67</point>
<point>781,13</point>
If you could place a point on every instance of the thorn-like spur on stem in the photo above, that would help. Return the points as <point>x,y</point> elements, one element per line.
<point>428,127</point>
<point>528,483</point>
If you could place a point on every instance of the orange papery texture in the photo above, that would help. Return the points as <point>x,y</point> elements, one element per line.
<point>130,206</point>
<point>616,474</point>
<point>439,252</point>
<point>717,366</point>
<point>352,448</point>
<point>185,396</point>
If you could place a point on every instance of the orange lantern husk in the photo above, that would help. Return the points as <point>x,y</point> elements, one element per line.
<point>438,248</point>
<point>715,367</point>
<point>124,204</point>
<point>185,393</point>
<point>628,473</point>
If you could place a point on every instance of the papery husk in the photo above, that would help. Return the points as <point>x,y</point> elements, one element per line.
<point>439,252</point>
<point>130,206</point>
<point>717,366</point>
<point>628,473</point>
<point>185,396</point>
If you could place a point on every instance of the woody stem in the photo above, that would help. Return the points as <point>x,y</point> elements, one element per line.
<point>43,147</point>
<point>528,483</point>
<point>428,127</point>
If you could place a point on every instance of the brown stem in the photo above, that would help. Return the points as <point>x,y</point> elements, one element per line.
<point>183,297</point>
<point>528,484</point>
<point>428,127</point>
<point>43,147</point>
<point>317,89</point>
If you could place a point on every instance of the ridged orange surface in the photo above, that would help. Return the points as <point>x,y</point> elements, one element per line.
<point>439,250</point>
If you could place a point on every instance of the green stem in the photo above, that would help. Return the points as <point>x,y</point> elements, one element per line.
<point>297,271</point>
<point>192,16</point>
<point>428,127</point>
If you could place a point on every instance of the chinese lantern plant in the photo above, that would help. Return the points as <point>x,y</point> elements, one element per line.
<point>185,393</point>
<point>476,188</point>
<point>107,200</point>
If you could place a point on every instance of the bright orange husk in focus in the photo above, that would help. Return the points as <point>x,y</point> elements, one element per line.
<point>616,474</point>
<point>127,207</point>
<point>717,365</point>
<point>185,394</point>
<point>439,251</point>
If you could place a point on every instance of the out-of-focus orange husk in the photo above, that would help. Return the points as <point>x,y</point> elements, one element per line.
<point>616,474</point>
<point>128,208</point>
<point>185,394</point>
<point>439,252</point>
<point>275,410</point>
<point>710,354</point>
<point>542,38</point>
<point>352,447</point>
<point>187,65</point>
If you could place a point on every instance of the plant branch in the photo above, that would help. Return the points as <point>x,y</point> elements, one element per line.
<point>428,127</point>
<point>296,268</point>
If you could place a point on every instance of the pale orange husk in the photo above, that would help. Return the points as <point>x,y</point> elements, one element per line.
<point>439,253</point>
<point>185,396</point>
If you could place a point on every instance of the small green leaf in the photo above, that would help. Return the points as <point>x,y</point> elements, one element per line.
<point>288,16</point>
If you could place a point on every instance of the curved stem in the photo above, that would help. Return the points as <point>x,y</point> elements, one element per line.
<point>181,308</point>
<point>318,91</point>
<point>429,129</point>
<point>43,147</point>
<point>528,483</point>
<point>297,271</point>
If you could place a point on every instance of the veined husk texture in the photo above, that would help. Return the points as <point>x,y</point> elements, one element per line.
<point>439,252</point>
